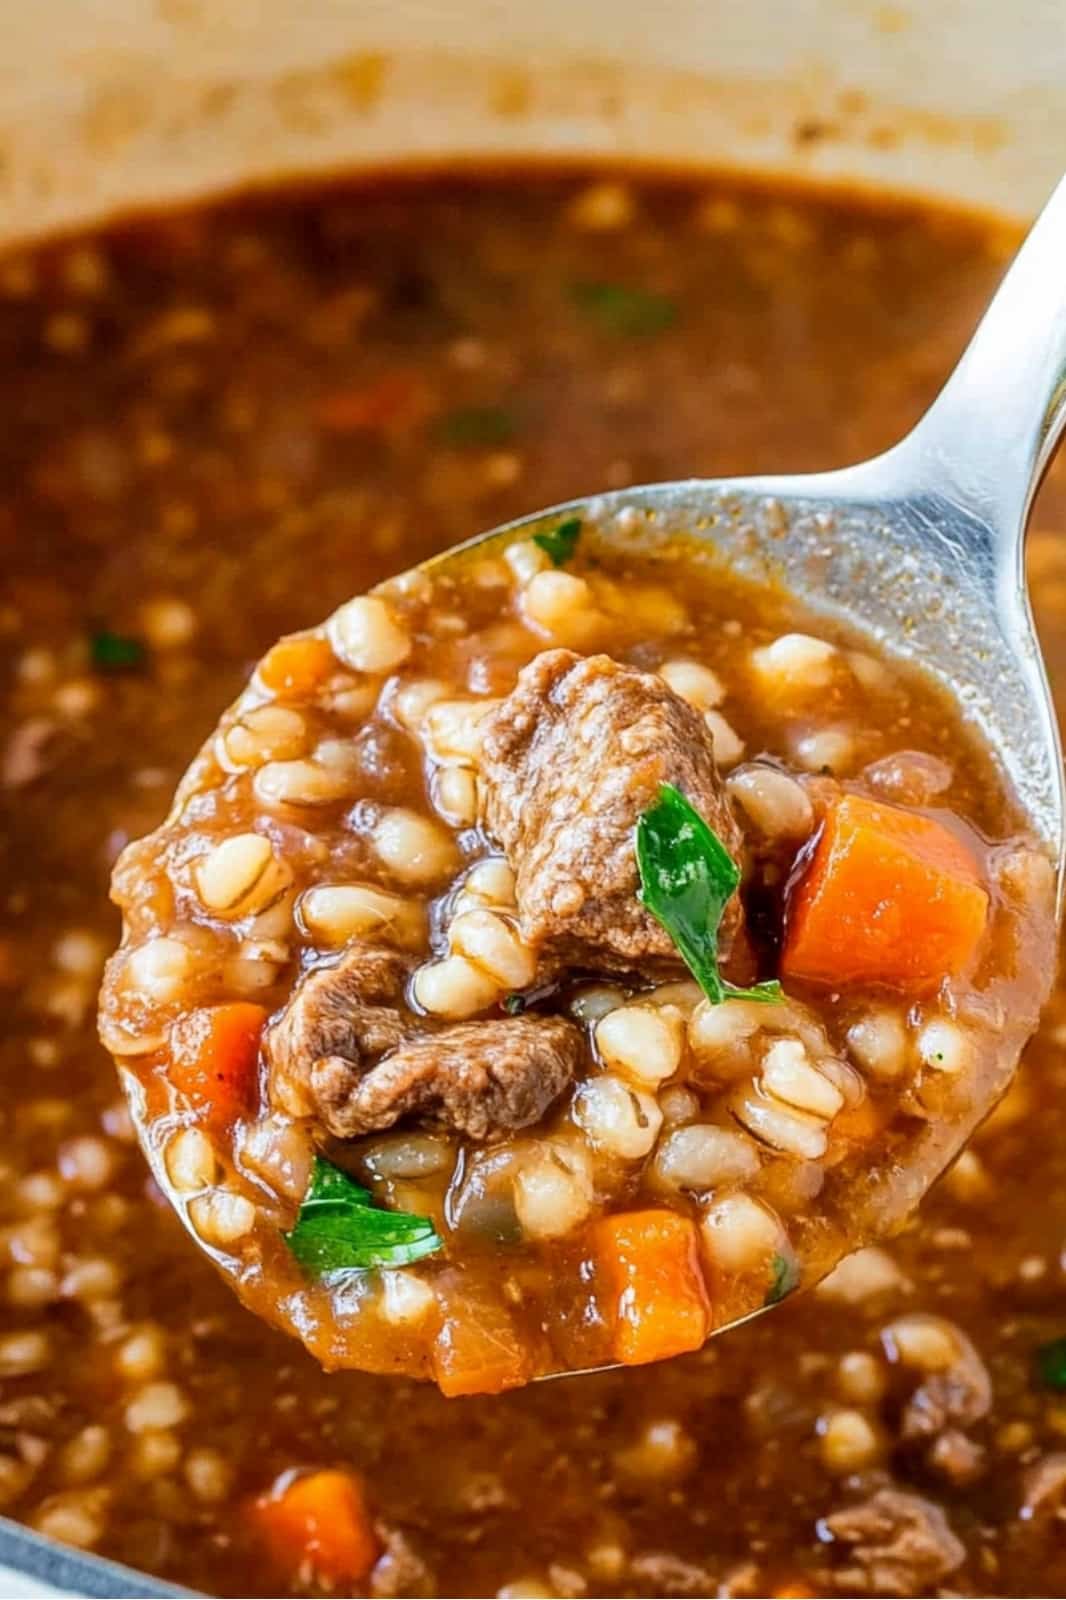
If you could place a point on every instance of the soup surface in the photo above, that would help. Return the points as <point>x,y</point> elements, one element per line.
<point>225,424</point>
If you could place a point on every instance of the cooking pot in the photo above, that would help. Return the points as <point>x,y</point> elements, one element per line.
<point>123,105</point>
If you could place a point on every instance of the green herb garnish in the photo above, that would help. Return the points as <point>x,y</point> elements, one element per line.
<point>1051,1364</point>
<point>784,1276</point>
<point>514,1004</point>
<point>687,877</point>
<point>621,309</point>
<point>114,652</point>
<point>474,426</point>
<point>561,542</point>
<point>340,1228</point>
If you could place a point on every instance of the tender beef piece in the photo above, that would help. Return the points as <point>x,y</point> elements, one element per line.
<point>344,1013</point>
<point>956,1397</point>
<point>899,1544</point>
<point>343,1052</point>
<point>477,1078</point>
<point>569,761</point>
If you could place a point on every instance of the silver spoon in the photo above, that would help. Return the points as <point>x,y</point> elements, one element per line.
<point>922,547</point>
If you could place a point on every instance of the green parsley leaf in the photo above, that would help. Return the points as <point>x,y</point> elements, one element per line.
<point>114,652</point>
<point>620,309</point>
<point>1051,1364</point>
<point>471,427</point>
<point>339,1227</point>
<point>561,542</point>
<point>687,876</point>
<point>514,1004</point>
<point>784,1276</point>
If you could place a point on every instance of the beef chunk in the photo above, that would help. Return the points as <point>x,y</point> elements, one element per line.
<point>344,1014</point>
<point>570,759</point>
<point>477,1078</point>
<point>947,1401</point>
<point>955,1396</point>
<point>344,1053</point>
<point>898,1544</point>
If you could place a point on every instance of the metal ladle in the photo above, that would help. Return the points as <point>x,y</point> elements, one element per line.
<point>921,548</point>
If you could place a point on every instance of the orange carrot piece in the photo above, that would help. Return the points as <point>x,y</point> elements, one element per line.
<point>322,1519</point>
<point>395,400</point>
<point>478,1349</point>
<point>214,1054</point>
<point>295,667</point>
<point>649,1265</point>
<point>888,897</point>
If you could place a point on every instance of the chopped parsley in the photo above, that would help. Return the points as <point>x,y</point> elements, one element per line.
<point>620,309</point>
<point>687,877</point>
<point>784,1276</point>
<point>339,1227</point>
<point>1051,1364</point>
<point>514,1004</point>
<point>115,652</point>
<point>473,427</point>
<point>561,542</point>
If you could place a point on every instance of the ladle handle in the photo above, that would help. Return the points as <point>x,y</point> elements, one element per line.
<point>989,435</point>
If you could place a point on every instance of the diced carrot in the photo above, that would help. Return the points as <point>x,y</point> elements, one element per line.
<point>478,1349</point>
<point>648,1263</point>
<point>888,897</point>
<point>295,667</point>
<point>214,1054</point>
<point>321,1519</point>
<point>395,400</point>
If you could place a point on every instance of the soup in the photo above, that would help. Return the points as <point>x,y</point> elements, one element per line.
<point>225,425</point>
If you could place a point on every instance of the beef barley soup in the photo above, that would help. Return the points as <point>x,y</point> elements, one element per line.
<point>494,1004</point>
<point>425,1049</point>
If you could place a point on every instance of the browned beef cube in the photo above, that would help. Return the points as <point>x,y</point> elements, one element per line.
<point>573,756</point>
